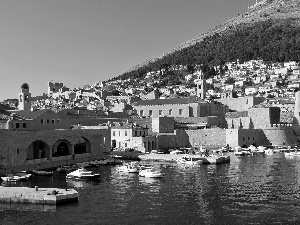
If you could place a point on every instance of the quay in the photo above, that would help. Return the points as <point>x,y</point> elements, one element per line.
<point>172,158</point>
<point>49,196</point>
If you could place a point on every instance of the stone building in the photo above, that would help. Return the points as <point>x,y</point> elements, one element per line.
<point>242,103</point>
<point>27,150</point>
<point>131,136</point>
<point>178,107</point>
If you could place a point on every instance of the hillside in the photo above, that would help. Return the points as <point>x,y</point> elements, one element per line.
<point>277,17</point>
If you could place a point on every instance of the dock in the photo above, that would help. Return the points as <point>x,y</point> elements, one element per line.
<point>49,196</point>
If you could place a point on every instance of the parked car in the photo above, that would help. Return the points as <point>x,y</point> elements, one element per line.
<point>154,151</point>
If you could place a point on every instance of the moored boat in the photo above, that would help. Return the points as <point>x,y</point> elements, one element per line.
<point>151,173</point>
<point>189,161</point>
<point>41,173</point>
<point>67,168</point>
<point>83,174</point>
<point>132,167</point>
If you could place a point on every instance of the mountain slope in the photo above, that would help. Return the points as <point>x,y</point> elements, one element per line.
<point>274,10</point>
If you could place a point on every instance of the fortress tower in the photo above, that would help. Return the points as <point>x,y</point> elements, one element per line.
<point>24,97</point>
<point>296,120</point>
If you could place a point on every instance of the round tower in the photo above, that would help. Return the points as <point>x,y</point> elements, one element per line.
<point>24,97</point>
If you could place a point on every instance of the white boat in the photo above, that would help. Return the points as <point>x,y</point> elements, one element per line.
<point>83,174</point>
<point>289,153</point>
<point>239,153</point>
<point>269,151</point>
<point>24,176</point>
<point>10,178</point>
<point>151,173</point>
<point>132,167</point>
<point>189,161</point>
<point>111,160</point>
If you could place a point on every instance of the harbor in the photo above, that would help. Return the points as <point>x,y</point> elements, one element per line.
<point>186,193</point>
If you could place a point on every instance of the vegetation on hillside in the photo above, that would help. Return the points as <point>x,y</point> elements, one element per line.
<point>276,40</point>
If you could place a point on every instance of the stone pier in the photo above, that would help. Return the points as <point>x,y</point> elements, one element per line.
<point>51,196</point>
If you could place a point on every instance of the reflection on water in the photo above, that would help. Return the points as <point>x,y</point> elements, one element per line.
<point>248,190</point>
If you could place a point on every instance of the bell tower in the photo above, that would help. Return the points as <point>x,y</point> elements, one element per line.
<point>24,98</point>
<point>201,91</point>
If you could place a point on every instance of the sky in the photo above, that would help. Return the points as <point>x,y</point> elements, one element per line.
<point>80,42</point>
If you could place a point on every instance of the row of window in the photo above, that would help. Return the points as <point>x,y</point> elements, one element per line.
<point>18,125</point>
<point>160,112</point>
<point>248,138</point>
<point>53,121</point>
<point>141,133</point>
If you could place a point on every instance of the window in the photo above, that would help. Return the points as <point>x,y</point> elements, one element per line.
<point>150,112</point>
<point>141,113</point>
<point>114,133</point>
<point>248,138</point>
<point>170,112</point>
<point>180,111</point>
<point>103,140</point>
<point>253,138</point>
<point>48,121</point>
<point>58,121</point>
<point>53,121</point>
<point>125,132</point>
<point>135,133</point>
<point>119,133</point>
<point>126,145</point>
<point>42,121</point>
<point>24,125</point>
<point>18,151</point>
<point>17,125</point>
<point>160,112</point>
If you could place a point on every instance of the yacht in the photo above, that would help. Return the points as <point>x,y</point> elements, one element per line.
<point>152,173</point>
<point>83,174</point>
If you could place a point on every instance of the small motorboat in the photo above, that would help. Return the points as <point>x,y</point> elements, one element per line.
<point>151,173</point>
<point>42,173</point>
<point>10,178</point>
<point>239,154</point>
<point>132,167</point>
<point>83,174</point>
<point>24,176</point>
<point>189,161</point>
<point>67,168</point>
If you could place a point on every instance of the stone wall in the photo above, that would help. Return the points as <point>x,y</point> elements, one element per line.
<point>240,137</point>
<point>163,124</point>
<point>282,136</point>
<point>241,104</point>
<point>15,144</point>
<point>211,138</point>
<point>263,117</point>
<point>239,123</point>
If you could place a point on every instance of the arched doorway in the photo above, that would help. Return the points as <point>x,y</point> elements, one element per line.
<point>82,145</point>
<point>62,148</point>
<point>38,150</point>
